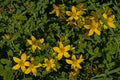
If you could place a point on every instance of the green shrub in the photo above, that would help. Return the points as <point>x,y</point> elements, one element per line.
<point>59,40</point>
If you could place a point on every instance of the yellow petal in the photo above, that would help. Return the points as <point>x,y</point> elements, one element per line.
<point>111,18</point>
<point>34,48</point>
<point>70,18</point>
<point>60,55</point>
<point>27,63</point>
<point>41,40</point>
<point>48,68</point>
<point>53,65</point>
<point>45,60</point>
<point>73,9</point>
<point>23,57</point>
<point>39,65</point>
<point>90,32</point>
<point>105,27</point>
<point>34,71</point>
<point>17,66</point>
<point>112,25</point>
<point>87,26</point>
<point>66,54</point>
<point>69,61</point>
<point>23,68</point>
<point>73,57</point>
<point>80,59</point>
<point>76,17</point>
<point>56,49</point>
<point>55,7</point>
<point>60,44</point>
<point>17,60</point>
<point>33,38</point>
<point>52,12</point>
<point>67,47</point>
<point>57,13</point>
<point>97,31</point>
<point>105,16</point>
<point>28,70</point>
<point>39,47</point>
<point>68,13</point>
<point>78,13</point>
<point>29,42</point>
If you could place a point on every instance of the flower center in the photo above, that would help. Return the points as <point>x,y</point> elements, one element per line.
<point>49,64</point>
<point>62,50</point>
<point>36,42</point>
<point>21,63</point>
<point>75,62</point>
<point>73,14</point>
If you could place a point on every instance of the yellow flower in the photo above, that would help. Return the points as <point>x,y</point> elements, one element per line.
<point>32,68</point>
<point>35,43</point>
<point>7,36</point>
<point>75,64</point>
<point>72,23</point>
<point>109,20</point>
<point>57,9</point>
<point>62,51</point>
<point>49,64</point>
<point>74,14</point>
<point>93,26</point>
<point>73,73</point>
<point>21,63</point>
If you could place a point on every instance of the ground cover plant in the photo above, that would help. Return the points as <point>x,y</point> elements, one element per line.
<point>59,40</point>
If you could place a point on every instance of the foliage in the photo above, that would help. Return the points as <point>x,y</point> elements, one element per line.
<point>59,40</point>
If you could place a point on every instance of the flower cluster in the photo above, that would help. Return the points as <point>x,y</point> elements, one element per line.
<point>27,64</point>
<point>92,22</point>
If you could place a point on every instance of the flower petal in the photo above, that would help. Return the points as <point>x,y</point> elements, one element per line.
<point>33,38</point>
<point>17,60</point>
<point>16,67</point>
<point>39,47</point>
<point>66,54</point>
<point>39,65</point>
<point>97,31</point>
<point>34,71</point>
<point>105,16</point>
<point>60,55</point>
<point>27,63</point>
<point>112,25</point>
<point>80,59</point>
<point>70,18</point>
<point>48,68</point>
<point>68,13</point>
<point>29,42</point>
<point>90,32</point>
<point>60,44</point>
<point>57,13</point>
<point>76,17</point>
<point>69,61</point>
<point>52,12</point>
<point>56,49</point>
<point>67,47</point>
<point>23,68</point>
<point>73,57</point>
<point>41,40</point>
<point>73,9</point>
<point>23,57</point>
<point>34,48</point>
<point>111,18</point>
<point>28,70</point>
<point>105,27</point>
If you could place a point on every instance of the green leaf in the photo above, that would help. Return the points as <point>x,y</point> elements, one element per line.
<point>4,61</point>
<point>10,53</point>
